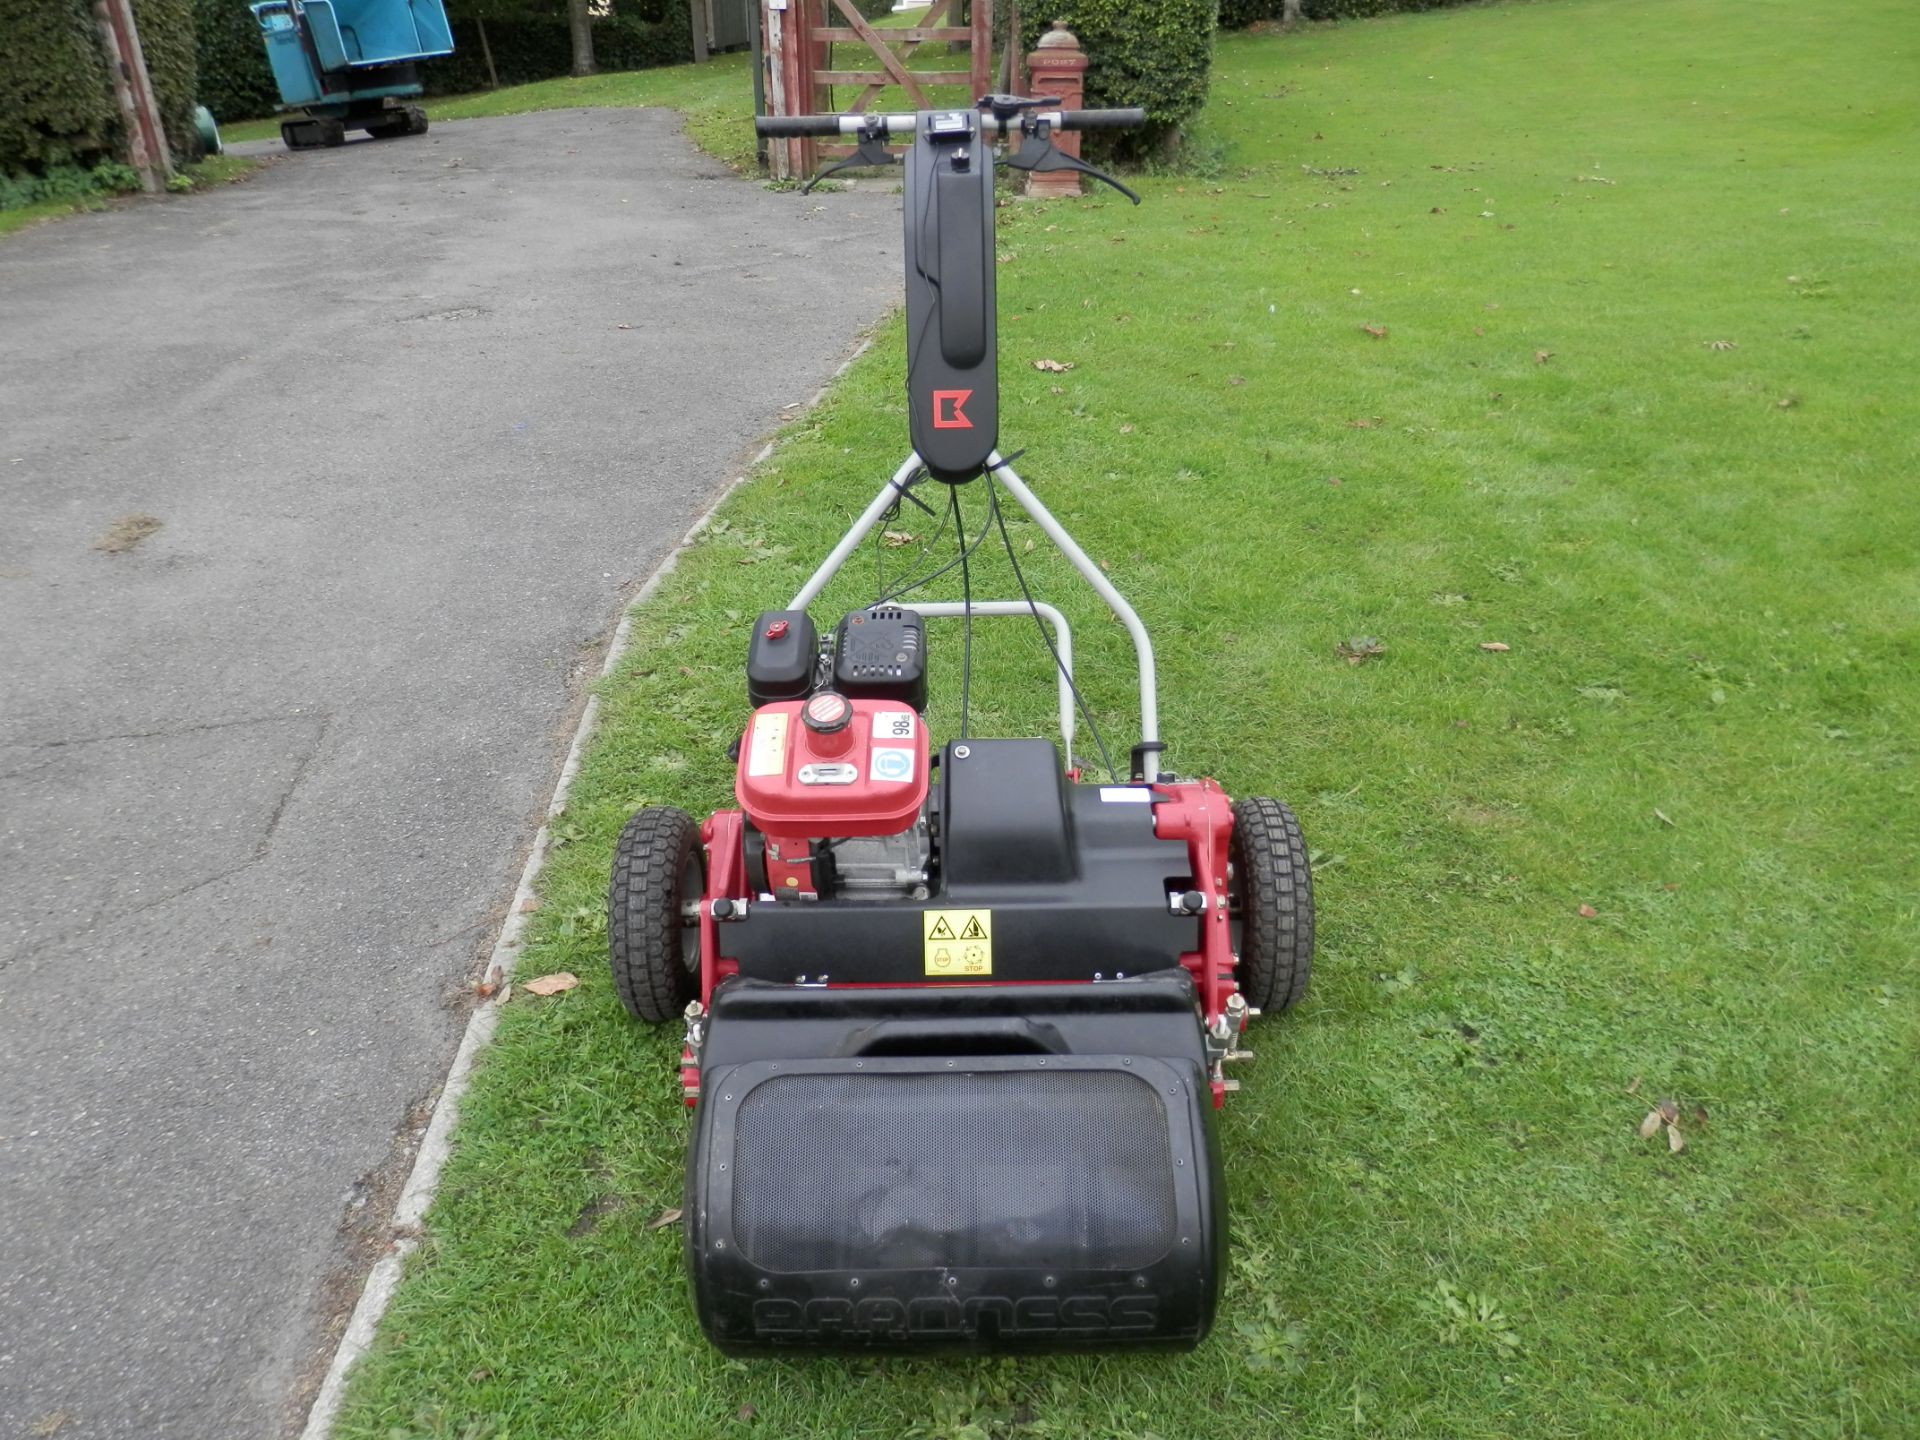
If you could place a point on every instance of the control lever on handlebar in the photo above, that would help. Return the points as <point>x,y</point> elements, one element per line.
<point>1005,107</point>
<point>872,150</point>
<point>1037,152</point>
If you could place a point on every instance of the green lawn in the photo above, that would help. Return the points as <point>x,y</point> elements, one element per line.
<point>1644,412</point>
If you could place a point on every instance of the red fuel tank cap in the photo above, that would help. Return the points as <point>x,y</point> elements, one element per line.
<point>827,713</point>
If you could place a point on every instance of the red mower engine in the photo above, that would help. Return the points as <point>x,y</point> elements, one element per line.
<point>834,782</point>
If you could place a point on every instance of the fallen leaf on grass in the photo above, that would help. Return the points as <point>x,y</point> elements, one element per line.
<point>552,984</point>
<point>1721,344</point>
<point>1587,912</point>
<point>1498,647</point>
<point>1378,332</point>
<point>1360,649</point>
<point>897,538</point>
<point>1236,380</point>
<point>1126,429</point>
<point>1540,357</point>
<point>1365,422</point>
<point>1666,1114</point>
<point>1053,367</point>
<point>745,1413</point>
<point>1662,816</point>
<point>664,1218</point>
<point>529,905</point>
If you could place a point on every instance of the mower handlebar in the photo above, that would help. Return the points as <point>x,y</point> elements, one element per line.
<point>781,127</point>
<point>1124,118</point>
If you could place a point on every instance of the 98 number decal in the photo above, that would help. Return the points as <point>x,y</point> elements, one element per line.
<point>893,724</point>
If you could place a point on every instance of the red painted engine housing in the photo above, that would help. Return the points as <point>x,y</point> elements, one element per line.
<point>868,778</point>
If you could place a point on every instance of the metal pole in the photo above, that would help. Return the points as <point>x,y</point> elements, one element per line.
<point>147,150</point>
<point>1090,572</point>
<point>1062,641</point>
<point>758,49</point>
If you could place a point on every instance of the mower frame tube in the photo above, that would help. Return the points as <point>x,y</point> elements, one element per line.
<point>1062,643</point>
<point>1001,471</point>
<point>1103,587</point>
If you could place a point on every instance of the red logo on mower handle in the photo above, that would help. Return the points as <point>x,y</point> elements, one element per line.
<point>947,414</point>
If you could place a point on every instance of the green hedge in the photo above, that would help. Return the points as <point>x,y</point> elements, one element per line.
<point>528,46</point>
<point>1236,14</point>
<point>1156,54</point>
<point>55,107</point>
<point>235,82</point>
<point>166,40</point>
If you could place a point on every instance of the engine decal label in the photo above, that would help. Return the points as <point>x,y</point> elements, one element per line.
<point>893,724</point>
<point>767,750</point>
<point>890,765</point>
<point>959,942</point>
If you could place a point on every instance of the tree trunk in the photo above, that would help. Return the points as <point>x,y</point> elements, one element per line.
<point>493,75</point>
<point>1289,13</point>
<point>580,20</point>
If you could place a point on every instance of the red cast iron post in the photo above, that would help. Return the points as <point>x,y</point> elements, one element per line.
<point>1058,67</point>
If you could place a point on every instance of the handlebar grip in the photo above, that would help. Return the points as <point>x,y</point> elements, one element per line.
<point>781,127</point>
<point>1121,119</point>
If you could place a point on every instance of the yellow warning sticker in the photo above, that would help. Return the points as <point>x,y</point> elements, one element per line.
<point>959,942</point>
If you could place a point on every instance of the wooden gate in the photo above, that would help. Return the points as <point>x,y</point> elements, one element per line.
<point>800,78</point>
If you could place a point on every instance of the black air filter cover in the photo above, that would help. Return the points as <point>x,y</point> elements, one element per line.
<point>881,654</point>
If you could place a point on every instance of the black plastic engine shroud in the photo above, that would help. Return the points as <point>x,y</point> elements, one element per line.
<point>1075,878</point>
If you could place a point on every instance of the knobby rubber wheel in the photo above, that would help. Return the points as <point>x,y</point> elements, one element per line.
<point>416,121</point>
<point>653,946</point>
<point>1270,895</point>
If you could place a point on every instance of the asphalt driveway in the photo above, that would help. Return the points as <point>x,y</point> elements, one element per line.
<point>413,417</point>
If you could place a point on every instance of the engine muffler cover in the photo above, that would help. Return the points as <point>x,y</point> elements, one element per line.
<point>1009,1201</point>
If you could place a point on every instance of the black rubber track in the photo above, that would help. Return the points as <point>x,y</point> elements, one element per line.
<point>1274,888</point>
<point>653,950</point>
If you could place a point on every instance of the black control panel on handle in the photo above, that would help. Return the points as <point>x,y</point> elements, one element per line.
<point>953,385</point>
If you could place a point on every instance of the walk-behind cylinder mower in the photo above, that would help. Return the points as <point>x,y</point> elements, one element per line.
<point>350,65</point>
<point>956,1022</point>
